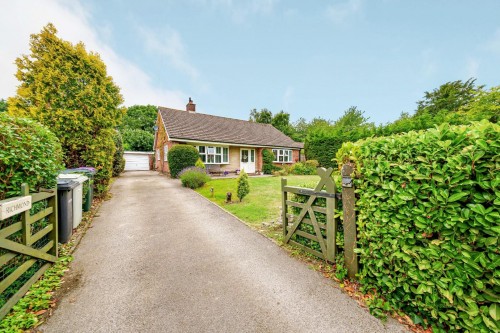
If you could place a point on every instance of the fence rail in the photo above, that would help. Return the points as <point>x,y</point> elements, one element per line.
<point>28,246</point>
<point>313,226</point>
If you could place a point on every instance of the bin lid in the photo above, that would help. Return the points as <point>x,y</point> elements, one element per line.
<point>73,176</point>
<point>85,170</point>
<point>66,184</point>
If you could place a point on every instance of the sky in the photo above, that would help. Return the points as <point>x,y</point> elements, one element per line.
<point>308,58</point>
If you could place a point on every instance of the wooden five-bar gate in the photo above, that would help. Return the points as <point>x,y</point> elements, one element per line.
<point>314,218</point>
<point>28,245</point>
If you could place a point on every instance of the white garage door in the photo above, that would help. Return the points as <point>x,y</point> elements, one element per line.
<point>135,161</point>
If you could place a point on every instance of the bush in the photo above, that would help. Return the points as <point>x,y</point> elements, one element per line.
<point>200,164</point>
<point>243,186</point>
<point>29,153</point>
<point>267,162</point>
<point>193,177</point>
<point>180,157</point>
<point>306,168</point>
<point>428,212</point>
<point>118,160</point>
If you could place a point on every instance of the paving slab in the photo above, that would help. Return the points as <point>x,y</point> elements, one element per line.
<point>160,258</point>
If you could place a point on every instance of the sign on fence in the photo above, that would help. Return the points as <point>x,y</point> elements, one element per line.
<point>11,207</point>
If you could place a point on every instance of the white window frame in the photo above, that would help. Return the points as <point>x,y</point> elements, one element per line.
<point>282,155</point>
<point>165,153</point>
<point>213,154</point>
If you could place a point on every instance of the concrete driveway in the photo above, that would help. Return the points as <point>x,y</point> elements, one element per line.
<point>160,258</point>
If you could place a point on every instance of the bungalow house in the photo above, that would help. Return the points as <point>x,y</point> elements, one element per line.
<point>224,144</point>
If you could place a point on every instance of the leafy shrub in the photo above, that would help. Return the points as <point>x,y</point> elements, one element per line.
<point>200,164</point>
<point>428,212</point>
<point>118,160</point>
<point>137,140</point>
<point>29,153</point>
<point>306,168</point>
<point>193,177</point>
<point>180,157</point>
<point>243,185</point>
<point>267,162</point>
<point>285,170</point>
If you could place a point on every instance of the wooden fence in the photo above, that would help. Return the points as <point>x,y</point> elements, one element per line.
<point>309,220</point>
<point>28,246</point>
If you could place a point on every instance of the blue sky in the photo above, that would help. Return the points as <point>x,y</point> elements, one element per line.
<point>311,59</point>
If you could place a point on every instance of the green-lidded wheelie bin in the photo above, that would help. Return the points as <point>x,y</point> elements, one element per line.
<point>89,189</point>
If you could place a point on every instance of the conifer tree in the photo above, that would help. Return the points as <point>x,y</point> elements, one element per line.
<point>68,89</point>
<point>243,186</point>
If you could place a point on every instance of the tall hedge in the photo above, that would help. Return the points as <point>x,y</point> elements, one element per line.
<point>180,157</point>
<point>322,145</point>
<point>118,160</point>
<point>29,153</point>
<point>428,220</point>
<point>267,162</point>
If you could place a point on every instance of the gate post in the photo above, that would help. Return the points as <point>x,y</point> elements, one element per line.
<point>331,223</point>
<point>348,204</point>
<point>284,198</point>
<point>25,217</point>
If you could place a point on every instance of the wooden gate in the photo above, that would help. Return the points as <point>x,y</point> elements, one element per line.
<point>323,234</point>
<point>28,246</point>
<point>312,225</point>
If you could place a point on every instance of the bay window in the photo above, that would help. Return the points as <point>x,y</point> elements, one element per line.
<point>282,155</point>
<point>214,154</point>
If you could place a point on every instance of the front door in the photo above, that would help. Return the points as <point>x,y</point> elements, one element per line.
<point>247,160</point>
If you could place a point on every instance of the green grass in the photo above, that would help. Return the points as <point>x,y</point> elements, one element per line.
<point>262,204</point>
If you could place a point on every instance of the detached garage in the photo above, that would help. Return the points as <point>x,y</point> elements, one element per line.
<point>137,160</point>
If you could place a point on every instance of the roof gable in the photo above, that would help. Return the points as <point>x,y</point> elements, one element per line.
<point>203,127</point>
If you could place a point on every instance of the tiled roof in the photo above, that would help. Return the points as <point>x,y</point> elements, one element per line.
<point>204,127</point>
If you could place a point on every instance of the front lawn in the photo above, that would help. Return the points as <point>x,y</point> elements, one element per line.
<point>262,204</point>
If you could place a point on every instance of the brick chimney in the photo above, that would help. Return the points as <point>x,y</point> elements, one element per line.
<point>190,106</point>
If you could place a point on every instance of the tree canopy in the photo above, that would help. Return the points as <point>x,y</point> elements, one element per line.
<point>3,105</point>
<point>448,97</point>
<point>68,89</point>
<point>137,127</point>
<point>263,116</point>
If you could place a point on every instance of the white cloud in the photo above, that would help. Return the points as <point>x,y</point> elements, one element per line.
<point>472,67</point>
<point>170,45</point>
<point>240,10</point>
<point>340,12</point>
<point>494,43</point>
<point>72,20</point>
<point>429,64</point>
<point>287,98</point>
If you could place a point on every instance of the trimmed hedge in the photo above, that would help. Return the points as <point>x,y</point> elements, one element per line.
<point>29,153</point>
<point>267,162</point>
<point>180,157</point>
<point>428,220</point>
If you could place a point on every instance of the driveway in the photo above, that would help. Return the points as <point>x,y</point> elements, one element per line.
<point>160,258</point>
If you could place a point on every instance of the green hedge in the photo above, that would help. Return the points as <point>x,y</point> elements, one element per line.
<point>29,153</point>
<point>118,159</point>
<point>428,221</point>
<point>180,157</point>
<point>267,162</point>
